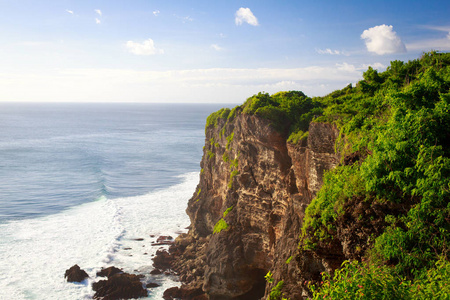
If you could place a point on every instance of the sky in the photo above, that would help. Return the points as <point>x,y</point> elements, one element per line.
<point>220,51</point>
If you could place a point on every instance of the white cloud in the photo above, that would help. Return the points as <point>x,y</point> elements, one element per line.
<point>98,11</point>
<point>328,51</point>
<point>440,44</point>
<point>216,47</point>
<point>156,13</point>
<point>378,66</point>
<point>346,67</point>
<point>383,40</point>
<point>145,48</point>
<point>245,15</point>
<point>97,21</point>
<point>69,11</point>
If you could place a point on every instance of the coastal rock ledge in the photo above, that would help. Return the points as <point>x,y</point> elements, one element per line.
<point>246,213</point>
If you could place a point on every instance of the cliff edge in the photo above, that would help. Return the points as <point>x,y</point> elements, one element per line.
<point>247,211</point>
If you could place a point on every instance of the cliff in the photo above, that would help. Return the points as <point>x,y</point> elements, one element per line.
<point>263,184</point>
<point>266,222</point>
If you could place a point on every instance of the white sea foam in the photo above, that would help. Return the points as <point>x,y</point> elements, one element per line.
<point>35,253</point>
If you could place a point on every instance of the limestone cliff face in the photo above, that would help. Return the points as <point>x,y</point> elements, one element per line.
<point>265,185</point>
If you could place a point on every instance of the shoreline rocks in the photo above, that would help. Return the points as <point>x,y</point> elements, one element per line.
<point>108,272</point>
<point>75,274</point>
<point>119,286</point>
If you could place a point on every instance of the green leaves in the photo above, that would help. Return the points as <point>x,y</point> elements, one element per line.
<point>364,281</point>
<point>402,118</point>
<point>292,111</point>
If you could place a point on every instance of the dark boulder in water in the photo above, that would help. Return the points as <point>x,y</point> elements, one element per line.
<point>119,286</point>
<point>163,240</point>
<point>155,272</point>
<point>151,285</point>
<point>75,274</point>
<point>183,293</point>
<point>108,272</point>
<point>162,260</point>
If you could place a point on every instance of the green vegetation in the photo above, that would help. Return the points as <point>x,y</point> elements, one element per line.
<point>292,111</point>
<point>229,140</point>
<point>289,112</point>
<point>357,280</point>
<point>298,136</point>
<point>398,122</point>
<point>214,117</point>
<point>225,157</point>
<point>289,259</point>
<point>225,213</point>
<point>275,293</point>
<point>234,163</point>
<point>233,173</point>
<point>220,225</point>
<point>210,154</point>
<point>268,277</point>
<point>232,114</point>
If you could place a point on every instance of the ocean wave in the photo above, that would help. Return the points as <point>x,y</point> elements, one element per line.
<point>34,253</point>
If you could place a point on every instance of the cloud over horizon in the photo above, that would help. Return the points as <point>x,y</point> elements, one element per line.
<point>328,51</point>
<point>441,43</point>
<point>192,85</point>
<point>382,40</point>
<point>147,47</point>
<point>245,15</point>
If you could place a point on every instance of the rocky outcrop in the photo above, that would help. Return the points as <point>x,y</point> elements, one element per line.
<point>246,214</point>
<point>108,272</point>
<point>119,286</point>
<point>75,274</point>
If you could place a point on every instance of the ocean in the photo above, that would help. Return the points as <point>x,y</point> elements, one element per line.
<point>93,185</point>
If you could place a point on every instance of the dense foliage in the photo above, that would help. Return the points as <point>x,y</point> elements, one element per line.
<point>289,111</point>
<point>399,120</point>
<point>357,280</point>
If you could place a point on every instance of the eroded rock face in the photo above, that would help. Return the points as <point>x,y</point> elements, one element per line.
<point>265,184</point>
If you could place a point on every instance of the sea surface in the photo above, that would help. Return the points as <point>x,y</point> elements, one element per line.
<point>84,183</point>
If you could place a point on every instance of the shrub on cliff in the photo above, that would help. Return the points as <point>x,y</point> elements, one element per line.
<point>291,111</point>
<point>364,281</point>
<point>401,119</point>
<point>213,118</point>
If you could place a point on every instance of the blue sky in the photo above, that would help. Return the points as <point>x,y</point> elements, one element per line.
<point>205,51</point>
